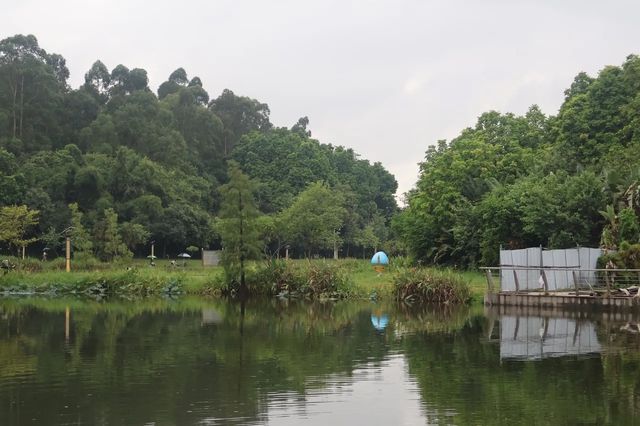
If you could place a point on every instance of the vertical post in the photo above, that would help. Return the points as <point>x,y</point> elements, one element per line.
<point>546,283</point>
<point>489,281</point>
<point>542,268</point>
<point>565,265</point>
<point>153,247</point>
<point>68,255</point>
<point>202,255</point>
<point>23,250</point>
<point>286,252</point>
<point>575,282</point>
<point>515,277</point>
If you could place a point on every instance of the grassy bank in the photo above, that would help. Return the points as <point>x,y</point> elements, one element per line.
<point>354,278</point>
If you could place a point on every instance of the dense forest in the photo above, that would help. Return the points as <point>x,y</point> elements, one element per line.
<point>520,181</point>
<point>116,166</point>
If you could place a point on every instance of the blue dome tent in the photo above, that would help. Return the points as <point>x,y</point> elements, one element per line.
<point>380,258</point>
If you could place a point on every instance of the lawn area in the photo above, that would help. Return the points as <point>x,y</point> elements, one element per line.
<point>33,275</point>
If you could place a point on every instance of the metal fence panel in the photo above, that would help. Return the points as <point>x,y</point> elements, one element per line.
<point>580,259</point>
<point>588,260</point>
<point>211,257</point>
<point>522,258</point>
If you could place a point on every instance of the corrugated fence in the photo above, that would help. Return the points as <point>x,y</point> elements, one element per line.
<point>528,263</point>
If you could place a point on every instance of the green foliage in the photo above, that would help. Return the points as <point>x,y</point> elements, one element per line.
<point>133,234</point>
<point>15,224</point>
<point>306,279</point>
<point>430,286</point>
<point>327,280</point>
<point>285,162</point>
<point>626,257</point>
<point>157,162</point>
<point>314,218</point>
<point>533,180</point>
<point>108,241</point>
<point>80,239</point>
<point>240,115</point>
<point>237,225</point>
<point>279,277</point>
<point>629,227</point>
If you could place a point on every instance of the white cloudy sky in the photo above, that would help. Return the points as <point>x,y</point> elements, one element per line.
<point>387,78</point>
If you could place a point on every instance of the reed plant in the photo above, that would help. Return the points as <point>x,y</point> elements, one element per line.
<point>422,285</point>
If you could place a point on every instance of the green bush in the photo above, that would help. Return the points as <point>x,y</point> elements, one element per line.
<point>419,285</point>
<point>279,277</point>
<point>627,257</point>
<point>215,286</point>
<point>326,280</point>
<point>29,265</point>
<point>294,279</point>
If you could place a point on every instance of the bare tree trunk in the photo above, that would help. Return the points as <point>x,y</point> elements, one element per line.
<point>13,110</point>
<point>244,290</point>
<point>21,103</point>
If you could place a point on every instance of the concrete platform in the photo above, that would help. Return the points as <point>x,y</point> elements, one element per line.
<point>565,300</point>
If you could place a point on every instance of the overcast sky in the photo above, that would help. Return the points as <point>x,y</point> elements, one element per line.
<point>387,78</point>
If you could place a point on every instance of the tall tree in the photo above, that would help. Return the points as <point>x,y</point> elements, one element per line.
<point>80,238</point>
<point>238,226</point>
<point>240,115</point>
<point>314,219</point>
<point>32,83</point>
<point>107,238</point>
<point>15,224</point>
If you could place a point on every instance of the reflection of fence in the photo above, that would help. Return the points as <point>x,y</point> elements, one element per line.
<point>538,337</point>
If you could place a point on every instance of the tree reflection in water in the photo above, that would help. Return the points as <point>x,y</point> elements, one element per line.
<point>205,361</point>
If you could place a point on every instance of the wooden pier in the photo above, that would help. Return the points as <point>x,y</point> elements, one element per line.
<point>595,289</point>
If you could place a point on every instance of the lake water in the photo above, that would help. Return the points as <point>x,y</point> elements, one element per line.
<point>204,362</point>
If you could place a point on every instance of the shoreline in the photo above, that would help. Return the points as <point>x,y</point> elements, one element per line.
<point>194,280</point>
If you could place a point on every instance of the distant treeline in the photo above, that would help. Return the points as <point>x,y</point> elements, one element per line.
<point>519,181</point>
<point>117,166</point>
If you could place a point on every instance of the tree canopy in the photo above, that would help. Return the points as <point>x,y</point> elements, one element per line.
<point>518,181</point>
<point>117,165</point>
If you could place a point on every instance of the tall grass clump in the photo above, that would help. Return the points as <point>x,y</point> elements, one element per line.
<point>327,280</point>
<point>299,279</point>
<point>422,285</point>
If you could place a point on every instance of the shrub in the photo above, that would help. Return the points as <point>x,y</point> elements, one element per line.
<point>293,279</point>
<point>215,286</point>
<point>279,277</point>
<point>420,285</point>
<point>326,280</point>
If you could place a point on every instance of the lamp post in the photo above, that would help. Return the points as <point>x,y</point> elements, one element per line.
<point>67,252</point>
<point>67,255</point>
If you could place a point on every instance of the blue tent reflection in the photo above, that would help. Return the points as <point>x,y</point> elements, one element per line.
<point>379,321</point>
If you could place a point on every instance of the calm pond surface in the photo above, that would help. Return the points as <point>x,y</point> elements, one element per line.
<point>204,362</point>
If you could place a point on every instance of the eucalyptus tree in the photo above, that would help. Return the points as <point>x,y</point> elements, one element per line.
<point>32,83</point>
<point>240,115</point>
